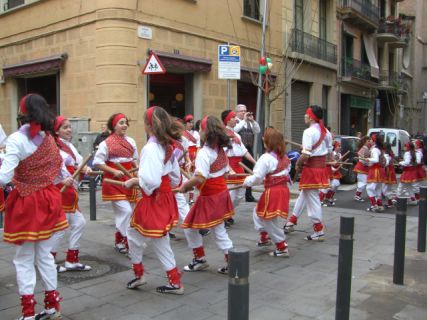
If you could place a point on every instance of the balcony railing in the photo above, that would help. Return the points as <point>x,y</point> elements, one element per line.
<point>396,28</point>
<point>312,46</point>
<point>356,69</point>
<point>365,7</point>
<point>394,80</point>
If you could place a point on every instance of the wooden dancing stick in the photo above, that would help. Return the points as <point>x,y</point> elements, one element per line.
<point>293,143</point>
<point>116,182</point>
<point>79,169</point>
<point>185,173</point>
<point>339,162</point>
<point>182,156</point>
<point>343,156</point>
<point>123,169</point>
<point>133,170</point>
<point>95,173</point>
<point>246,168</point>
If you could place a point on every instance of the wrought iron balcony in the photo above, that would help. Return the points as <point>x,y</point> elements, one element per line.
<point>352,68</point>
<point>312,46</point>
<point>393,81</point>
<point>394,33</point>
<point>362,13</point>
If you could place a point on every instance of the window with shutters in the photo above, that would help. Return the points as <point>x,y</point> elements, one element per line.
<point>253,9</point>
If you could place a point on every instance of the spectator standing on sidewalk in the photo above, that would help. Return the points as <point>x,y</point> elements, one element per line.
<point>247,127</point>
<point>102,136</point>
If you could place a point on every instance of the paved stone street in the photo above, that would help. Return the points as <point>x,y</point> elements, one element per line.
<point>302,286</point>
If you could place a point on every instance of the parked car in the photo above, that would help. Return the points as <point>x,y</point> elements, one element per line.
<point>396,137</point>
<point>348,143</point>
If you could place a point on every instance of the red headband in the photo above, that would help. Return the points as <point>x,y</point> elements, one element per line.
<point>374,137</point>
<point>418,144</point>
<point>229,116</point>
<point>407,146</point>
<point>311,115</point>
<point>188,118</point>
<point>58,121</point>
<point>204,122</point>
<point>149,115</point>
<point>22,106</point>
<point>35,127</point>
<point>117,118</point>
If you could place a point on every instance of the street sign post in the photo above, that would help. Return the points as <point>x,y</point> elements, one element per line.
<point>228,62</point>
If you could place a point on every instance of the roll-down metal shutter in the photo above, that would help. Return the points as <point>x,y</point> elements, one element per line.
<point>300,100</point>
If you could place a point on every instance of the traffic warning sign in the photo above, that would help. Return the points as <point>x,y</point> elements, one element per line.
<point>153,65</point>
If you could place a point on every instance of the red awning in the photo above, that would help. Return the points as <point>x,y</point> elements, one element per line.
<point>185,64</point>
<point>36,66</point>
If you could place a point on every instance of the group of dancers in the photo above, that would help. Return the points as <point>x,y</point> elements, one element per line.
<point>376,172</point>
<point>147,192</point>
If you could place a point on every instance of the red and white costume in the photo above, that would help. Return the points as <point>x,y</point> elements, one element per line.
<point>157,212</point>
<point>317,146</point>
<point>334,175</point>
<point>33,211</point>
<point>421,171</point>
<point>390,179</point>
<point>376,177</point>
<point>213,205</point>
<point>193,138</point>
<point>70,198</point>
<point>235,155</point>
<point>179,149</point>
<point>408,177</point>
<point>274,202</point>
<point>118,149</point>
<point>362,169</point>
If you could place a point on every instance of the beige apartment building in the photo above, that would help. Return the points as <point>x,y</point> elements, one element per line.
<point>414,62</point>
<point>309,29</point>
<point>86,57</point>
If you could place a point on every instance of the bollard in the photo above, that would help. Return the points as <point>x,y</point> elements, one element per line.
<point>345,261</point>
<point>92,198</point>
<point>238,284</point>
<point>399,241</point>
<point>422,220</point>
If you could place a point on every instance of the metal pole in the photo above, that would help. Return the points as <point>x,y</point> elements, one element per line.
<point>228,94</point>
<point>259,92</point>
<point>92,198</point>
<point>345,261</point>
<point>422,220</point>
<point>238,284</point>
<point>399,241</point>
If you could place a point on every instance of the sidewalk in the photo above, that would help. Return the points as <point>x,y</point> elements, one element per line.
<point>302,286</point>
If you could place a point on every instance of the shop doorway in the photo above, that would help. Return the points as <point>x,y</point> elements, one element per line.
<point>171,91</point>
<point>46,86</point>
<point>247,95</point>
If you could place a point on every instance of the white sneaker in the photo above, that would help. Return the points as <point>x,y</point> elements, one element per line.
<point>121,248</point>
<point>280,253</point>
<point>316,236</point>
<point>413,202</point>
<point>223,270</point>
<point>76,266</point>
<point>26,318</point>
<point>373,208</point>
<point>49,314</point>
<point>196,265</point>
<point>60,268</point>
<point>289,227</point>
<point>359,198</point>
<point>137,282</point>
<point>170,289</point>
<point>380,209</point>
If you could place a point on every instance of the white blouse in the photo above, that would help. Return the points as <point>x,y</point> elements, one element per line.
<point>152,168</point>
<point>310,137</point>
<point>236,150</point>
<point>205,157</point>
<point>101,155</point>
<point>266,164</point>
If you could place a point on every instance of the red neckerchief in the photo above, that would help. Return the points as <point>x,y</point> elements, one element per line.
<point>189,136</point>
<point>220,162</point>
<point>233,136</point>
<point>64,147</point>
<point>119,147</point>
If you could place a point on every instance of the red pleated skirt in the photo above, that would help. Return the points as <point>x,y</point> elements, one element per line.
<point>34,217</point>
<point>421,170</point>
<point>409,174</point>
<point>314,175</point>
<point>274,202</point>
<point>390,175</point>
<point>234,164</point>
<point>1,200</point>
<point>212,206</point>
<point>361,168</point>
<point>112,192</point>
<point>376,174</point>
<point>155,215</point>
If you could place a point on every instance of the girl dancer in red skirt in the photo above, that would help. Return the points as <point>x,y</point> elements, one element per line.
<point>376,174</point>
<point>273,167</point>
<point>362,167</point>
<point>409,175</point>
<point>157,212</point>
<point>70,198</point>
<point>213,205</point>
<point>390,176</point>
<point>34,211</point>
<point>118,148</point>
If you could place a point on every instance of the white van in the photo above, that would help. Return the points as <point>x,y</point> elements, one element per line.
<point>396,137</point>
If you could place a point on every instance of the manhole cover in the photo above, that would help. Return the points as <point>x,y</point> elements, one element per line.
<point>99,268</point>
